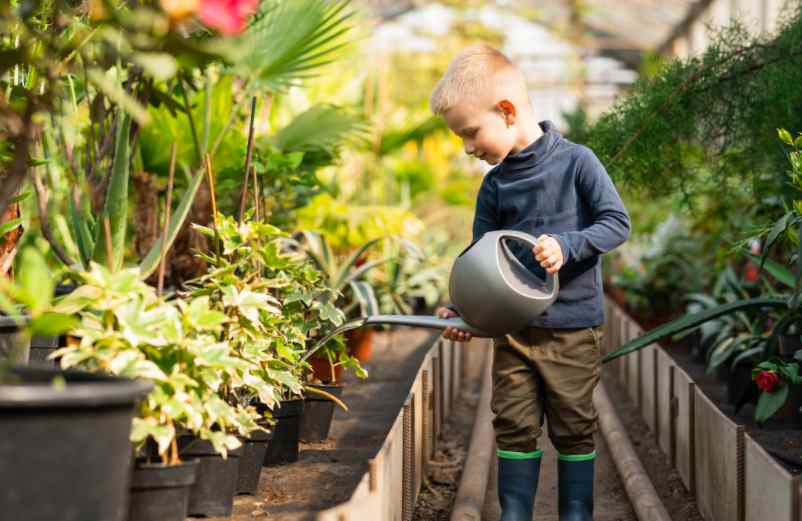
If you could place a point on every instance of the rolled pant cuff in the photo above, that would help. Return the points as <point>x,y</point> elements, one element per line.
<point>577,457</point>
<point>511,454</point>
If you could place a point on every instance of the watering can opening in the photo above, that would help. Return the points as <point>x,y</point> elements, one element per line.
<point>518,277</point>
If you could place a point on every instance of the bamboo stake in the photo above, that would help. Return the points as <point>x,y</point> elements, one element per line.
<point>248,158</point>
<point>109,249</point>
<point>210,176</point>
<point>167,208</point>
<point>256,194</point>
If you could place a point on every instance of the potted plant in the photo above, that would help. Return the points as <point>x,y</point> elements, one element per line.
<point>276,304</point>
<point>127,330</point>
<point>77,421</point>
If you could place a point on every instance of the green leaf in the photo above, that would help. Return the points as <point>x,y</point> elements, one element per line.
<point>151,260</point>
<point>117,94</point>
<point>143,428</point>
<point>293,40</point>
<point>202,317</point>
<point>321,128</point>
<point>9,225</point>
<point>52,324</point>
<point>35,280</point>
<point>328,312</point>
<point>366,297</point>
<point>116,205</point>
<point>81,233</point>
<point>785,136</point>
<point>691,321</point>
<point>798,141</point>
<point>753,351</point>
<point>161,66</point>
<point>343,275</point>
<point>769,403</point>
<point>776,270</point>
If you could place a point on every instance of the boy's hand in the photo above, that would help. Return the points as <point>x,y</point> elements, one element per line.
<point>548,253</point>
<point>452,333</point>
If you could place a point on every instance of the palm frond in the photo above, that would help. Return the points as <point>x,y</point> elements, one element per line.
<point>322,129</point>
<point>293,40</point>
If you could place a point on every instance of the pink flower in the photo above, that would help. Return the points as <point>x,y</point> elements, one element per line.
<point>227,16</point>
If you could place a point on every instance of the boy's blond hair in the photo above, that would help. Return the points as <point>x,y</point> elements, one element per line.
<point>474,71</point>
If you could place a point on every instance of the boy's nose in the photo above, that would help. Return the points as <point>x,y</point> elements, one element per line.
<point>469,149</point>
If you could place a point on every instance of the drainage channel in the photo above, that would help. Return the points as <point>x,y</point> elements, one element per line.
<point>623,487</point>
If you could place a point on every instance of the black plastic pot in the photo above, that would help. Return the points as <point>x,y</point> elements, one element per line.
<point>738,382</point>
<point>216,481</point>
<point>41,348</point>
<point>283,448</point>
<point>64,450</point>
<point>14,347</point>
<point>318,412</point>
<point>254,449</point>
<point>161,492</point>
<point>788,345</point>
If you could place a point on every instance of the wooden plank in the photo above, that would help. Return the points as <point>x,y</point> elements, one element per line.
<point>456,371</point>
<point>665,398</point>
<point>770,491</point>
<point>634,376</point>
<point>444,353</point>
<point>392,476</point>
<point>683,420</point>
<point>718,462</point>
<point>417,432</point>
<point>623,363</point>
<point>357,509</point>
<point>648,386</point>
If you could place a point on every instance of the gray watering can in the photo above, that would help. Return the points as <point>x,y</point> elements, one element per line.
<point>493,292</point>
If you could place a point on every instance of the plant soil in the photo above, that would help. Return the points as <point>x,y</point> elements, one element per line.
<point>780,437</point>
<point>436,498</point>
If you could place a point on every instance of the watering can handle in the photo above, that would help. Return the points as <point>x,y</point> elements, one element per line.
<point>552,279</point>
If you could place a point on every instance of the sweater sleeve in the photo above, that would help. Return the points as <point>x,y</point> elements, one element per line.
<point>485,218</point>
<point>610,226</point>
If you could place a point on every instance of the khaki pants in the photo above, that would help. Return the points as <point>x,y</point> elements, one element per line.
<point>546,372</point>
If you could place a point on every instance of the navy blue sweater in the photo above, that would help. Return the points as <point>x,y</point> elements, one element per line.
<point>558,188</point>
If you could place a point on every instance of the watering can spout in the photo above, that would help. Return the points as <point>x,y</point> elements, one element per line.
<point>425,321</point>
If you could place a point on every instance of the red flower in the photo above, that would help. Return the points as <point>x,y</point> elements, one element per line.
<point>751,272</point>
<point>227,16</point>
<point>766,380</point>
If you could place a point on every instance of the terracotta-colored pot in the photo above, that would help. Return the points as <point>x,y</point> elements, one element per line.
<point>360,343</point>
<point>321,369</point>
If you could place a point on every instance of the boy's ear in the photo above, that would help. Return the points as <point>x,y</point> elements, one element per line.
<point>507,110</point>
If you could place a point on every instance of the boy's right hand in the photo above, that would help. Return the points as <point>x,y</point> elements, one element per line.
<point>452,333</point>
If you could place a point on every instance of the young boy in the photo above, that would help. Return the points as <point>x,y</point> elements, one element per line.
<point>559,192</point>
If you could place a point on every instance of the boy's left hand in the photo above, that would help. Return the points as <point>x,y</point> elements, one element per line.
<point>548,253</point>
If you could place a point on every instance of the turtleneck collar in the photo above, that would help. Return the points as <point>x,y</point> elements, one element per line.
<point>534,153</point>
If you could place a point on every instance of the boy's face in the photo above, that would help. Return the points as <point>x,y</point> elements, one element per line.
<point>487,131</point>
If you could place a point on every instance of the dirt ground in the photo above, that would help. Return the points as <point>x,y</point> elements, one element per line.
<point>327,473</point>
<point>445,470</point>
